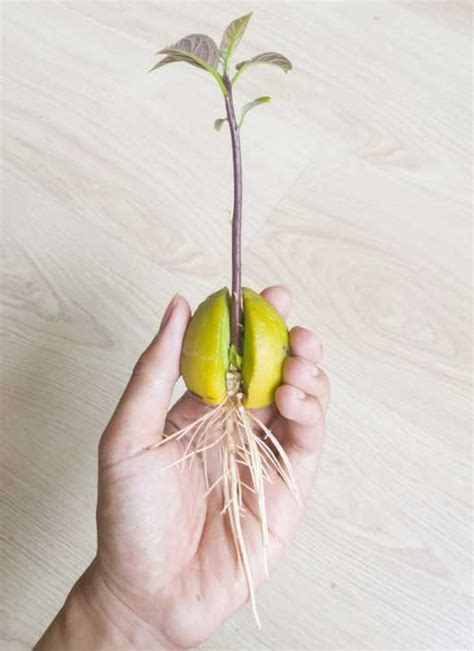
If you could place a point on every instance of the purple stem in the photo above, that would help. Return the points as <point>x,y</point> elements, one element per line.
<point>236,299</point>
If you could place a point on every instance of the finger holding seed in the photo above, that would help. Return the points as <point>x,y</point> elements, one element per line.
<point>301,373</point>
<point>300,428</point>
<point>303,411</point>
<point>280,297</point>
<point>305,375</point>
<point>304,343</point>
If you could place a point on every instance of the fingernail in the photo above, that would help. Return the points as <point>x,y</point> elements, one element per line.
<point>298,393</point>
<point>314,370</point>
<point>169,311</point>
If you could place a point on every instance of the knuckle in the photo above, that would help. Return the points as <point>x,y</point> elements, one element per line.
<point>315,346</point>
<point>296,365</point>
<point>284,399</point>
<point>304,340</point>
<point>142,366</point>
<point>149,370</point>
<point>103,446</point>
<point>310,369</point>
<point>302,373</point>
<point>328,385</point>
<point>315,410</point>
<point>325,383</point>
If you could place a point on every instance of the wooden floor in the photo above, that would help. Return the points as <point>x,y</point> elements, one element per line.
<point>357,195</point>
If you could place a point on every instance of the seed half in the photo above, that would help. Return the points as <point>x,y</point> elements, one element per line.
<point>205,355</point>
<point>264,351</point>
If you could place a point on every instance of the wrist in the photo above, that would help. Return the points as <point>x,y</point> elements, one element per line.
<point>93,618</point>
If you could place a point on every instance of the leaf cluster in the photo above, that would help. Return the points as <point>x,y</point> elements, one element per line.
<point>201,51</point>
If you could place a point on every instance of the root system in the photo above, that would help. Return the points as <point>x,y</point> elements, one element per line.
<point>250,456</point>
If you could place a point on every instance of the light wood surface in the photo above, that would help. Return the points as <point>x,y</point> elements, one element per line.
<point>117,194</point>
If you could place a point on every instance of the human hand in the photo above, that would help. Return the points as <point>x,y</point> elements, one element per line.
<point>165,561</point>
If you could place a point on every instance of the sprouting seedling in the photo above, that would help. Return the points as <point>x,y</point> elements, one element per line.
<point>202,52</point>
<point>235,345</point>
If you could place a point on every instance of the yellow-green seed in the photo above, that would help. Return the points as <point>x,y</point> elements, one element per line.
<point>205,356</point>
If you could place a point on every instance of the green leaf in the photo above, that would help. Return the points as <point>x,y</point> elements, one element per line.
<point>250,105</point>
<point>218,123</point>
<point>235,360</point>
<point>197,49</point>
<point>269,58</point>
<point>166,60</point>
<point>232,37</point>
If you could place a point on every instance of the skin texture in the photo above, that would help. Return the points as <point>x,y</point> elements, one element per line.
<point>163,576</point>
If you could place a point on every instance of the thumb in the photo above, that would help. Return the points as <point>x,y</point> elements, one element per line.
<point>139,418</point>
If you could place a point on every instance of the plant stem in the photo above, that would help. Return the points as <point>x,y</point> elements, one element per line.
<point>236,300</point>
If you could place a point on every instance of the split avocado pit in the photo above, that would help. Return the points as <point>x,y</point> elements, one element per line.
<point>210,366</point>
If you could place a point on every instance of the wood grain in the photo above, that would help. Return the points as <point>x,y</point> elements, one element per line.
<point>357,195</point>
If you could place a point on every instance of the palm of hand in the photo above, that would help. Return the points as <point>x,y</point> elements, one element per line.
<point>172,536</point>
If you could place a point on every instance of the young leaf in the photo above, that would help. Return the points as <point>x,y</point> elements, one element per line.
<point>197,49</point>
<point>170,59</point>
<point>270,58</point>
<point>250,105</point>
<point>232,37</point>
<point>218,123</point>
<point>235,359</point>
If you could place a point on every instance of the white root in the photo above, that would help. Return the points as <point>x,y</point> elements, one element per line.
<point>232,432</point>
